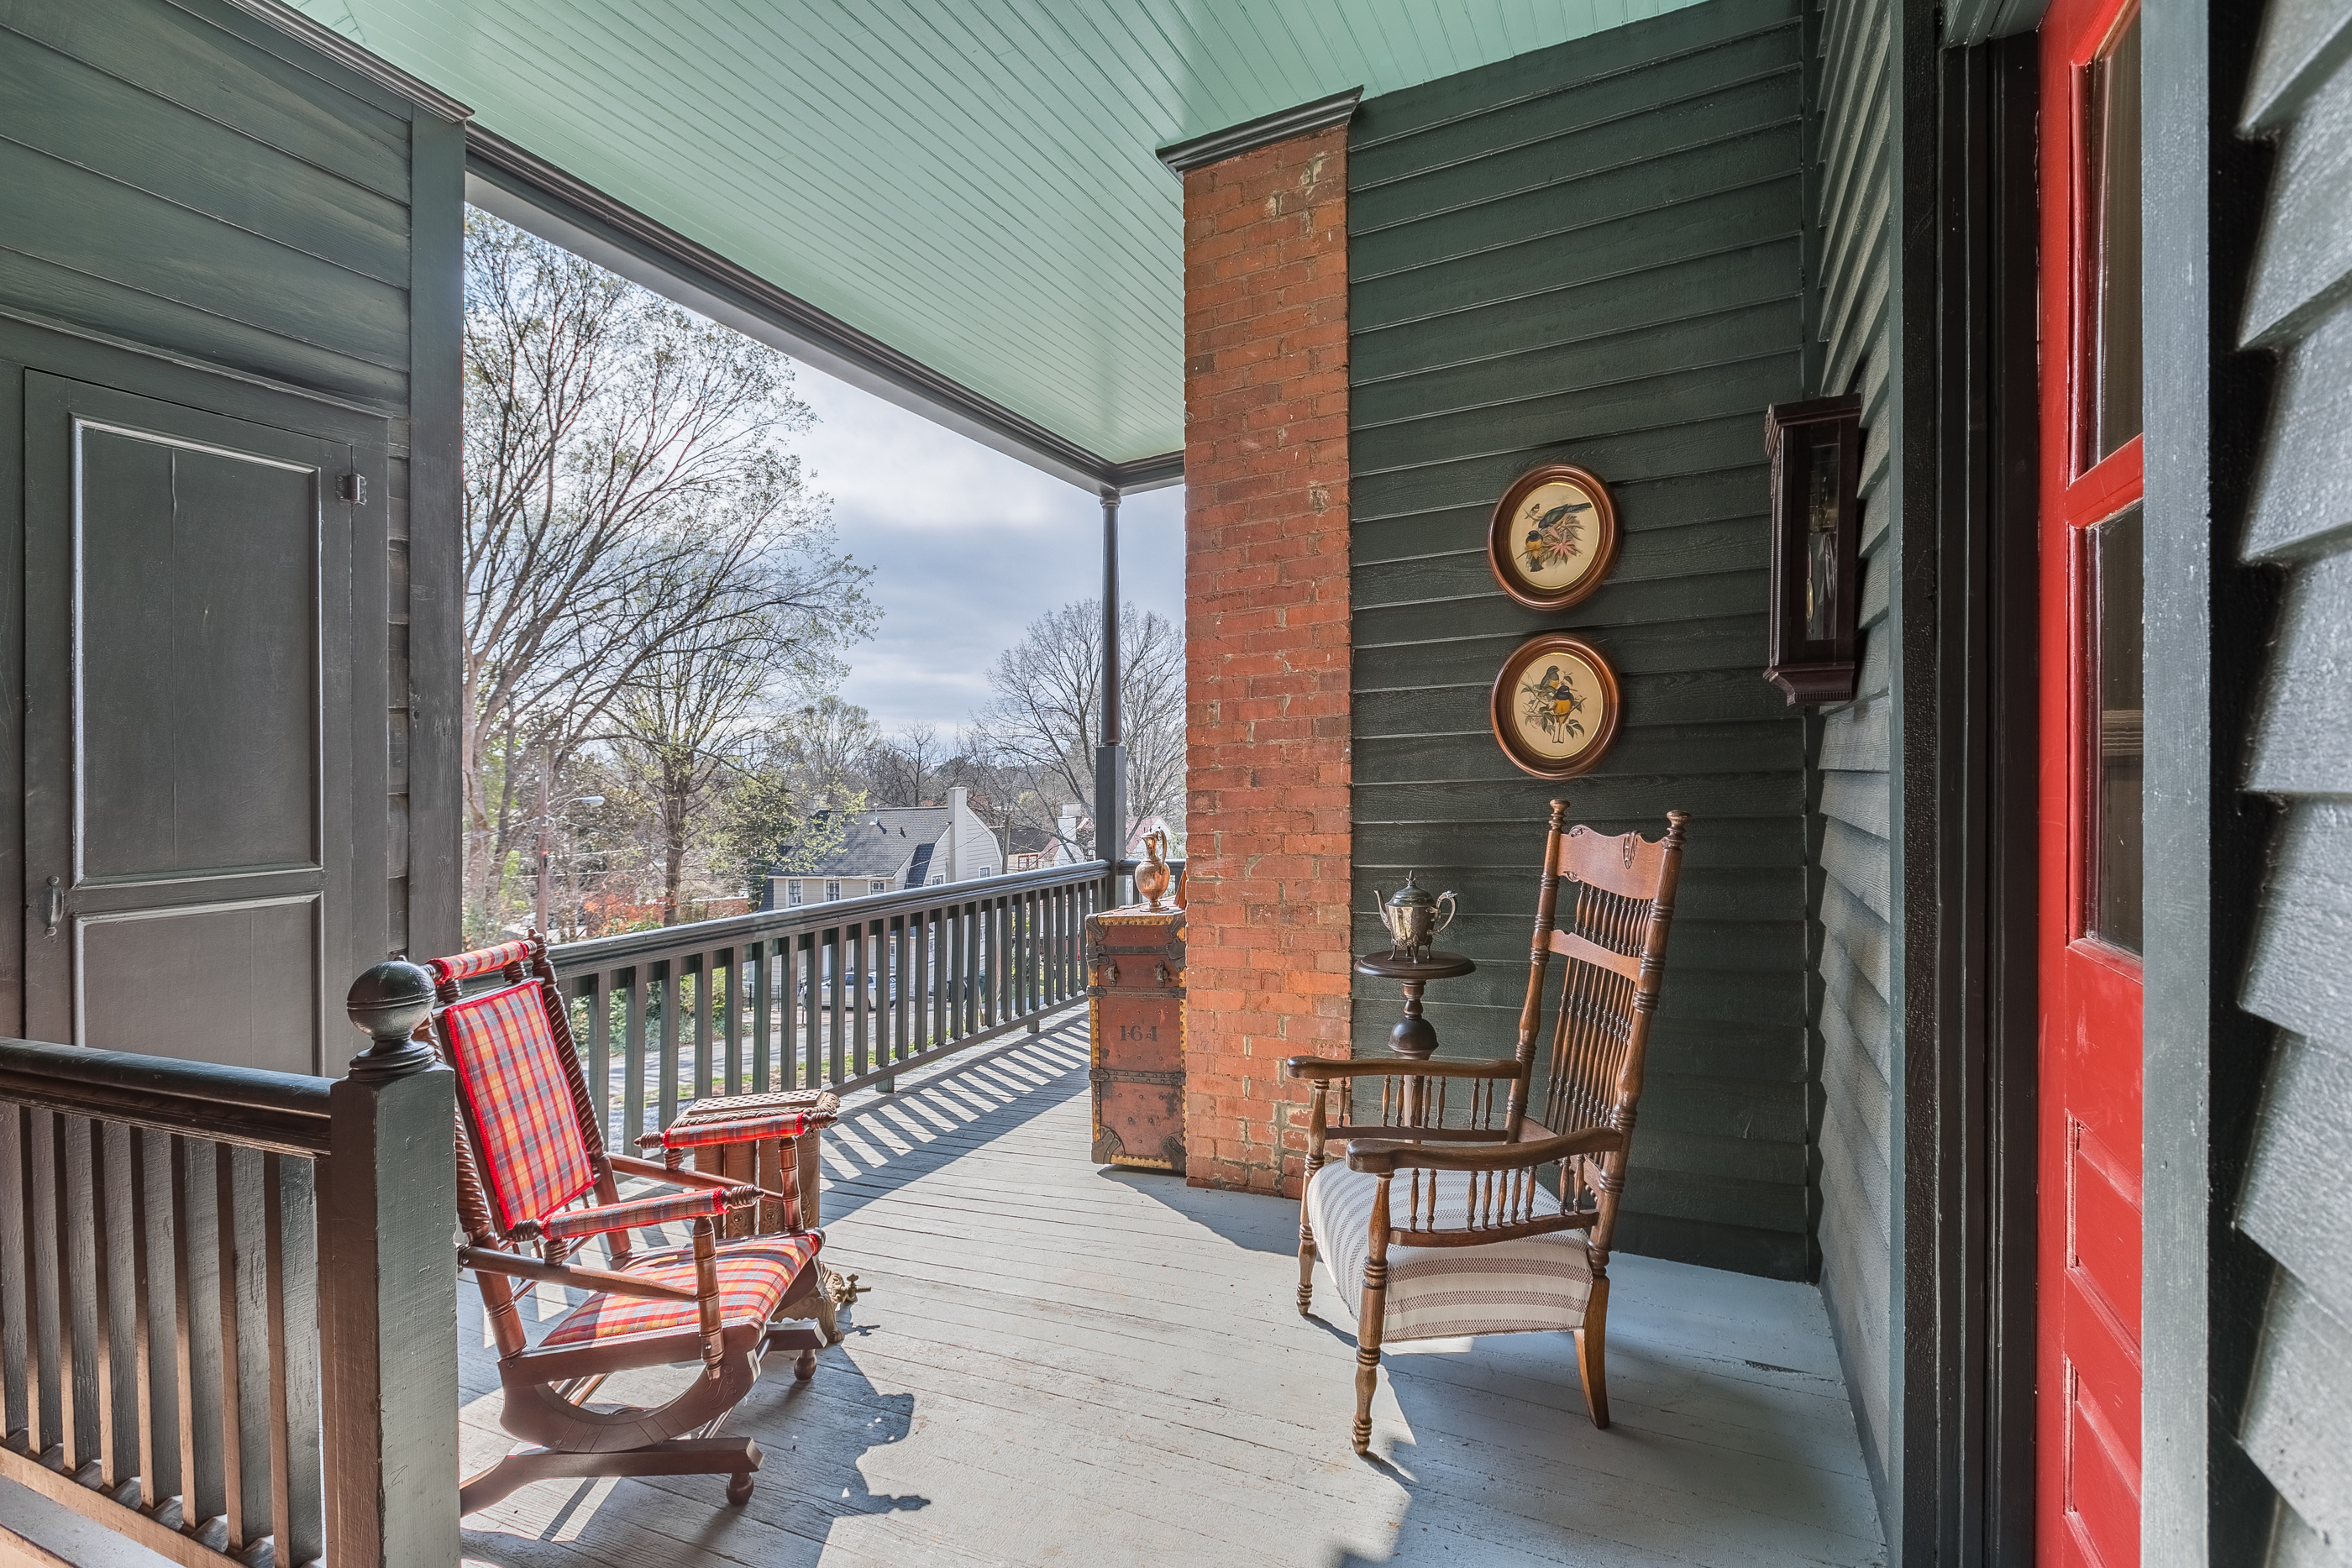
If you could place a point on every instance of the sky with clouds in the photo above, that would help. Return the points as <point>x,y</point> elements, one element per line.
<point>968,547</point>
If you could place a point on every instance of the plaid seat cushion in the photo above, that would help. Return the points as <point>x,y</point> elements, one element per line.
<point>480,961</point>
<point>1438,1292</point>
<point>534,1158</point>
<point>754,1277</point>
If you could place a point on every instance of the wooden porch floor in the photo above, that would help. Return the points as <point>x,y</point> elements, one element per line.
<point>1063,1365</point>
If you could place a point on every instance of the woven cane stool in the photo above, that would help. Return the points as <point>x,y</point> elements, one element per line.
<point>761,1164</point>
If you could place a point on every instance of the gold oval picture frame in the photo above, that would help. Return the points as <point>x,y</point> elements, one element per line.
<point>1553,536</point>
<point>1555,706</point>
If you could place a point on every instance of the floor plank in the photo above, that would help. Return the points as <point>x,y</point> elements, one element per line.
<point>1063,1365</point>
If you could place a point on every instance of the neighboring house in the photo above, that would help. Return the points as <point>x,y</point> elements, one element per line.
<point>1037,848</point>
<point>1072,840</point>
<point>892,846</point>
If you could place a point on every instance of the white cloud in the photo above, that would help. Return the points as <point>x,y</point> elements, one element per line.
<point>969,547</point>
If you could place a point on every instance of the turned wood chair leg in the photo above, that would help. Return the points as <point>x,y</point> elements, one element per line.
<point>1368,1348</point>
<point>1305,1267</point>
<point>805,1368</point>
<point>1591,1348</point>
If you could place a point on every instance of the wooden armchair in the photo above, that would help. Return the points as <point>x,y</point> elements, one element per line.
<point>1474,1244</point>
<point>533,1171</point>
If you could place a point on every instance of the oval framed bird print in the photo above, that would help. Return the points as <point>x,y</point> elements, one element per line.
<point>1554,706</point>
<point>1553,536</point>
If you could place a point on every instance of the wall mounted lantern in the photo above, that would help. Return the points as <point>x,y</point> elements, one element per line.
<point>1815,447</point>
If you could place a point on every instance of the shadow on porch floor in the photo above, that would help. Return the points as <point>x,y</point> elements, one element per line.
<point>1064,1364</point>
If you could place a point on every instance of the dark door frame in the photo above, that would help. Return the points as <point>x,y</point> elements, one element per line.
<point>1970,758</point>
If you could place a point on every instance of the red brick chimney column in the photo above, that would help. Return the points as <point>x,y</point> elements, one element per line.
<point>1266,601</point>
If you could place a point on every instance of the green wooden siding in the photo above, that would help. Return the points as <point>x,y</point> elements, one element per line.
<point>1593,253</point>
<point>1854,906</point>
<point>2298,1417</point>
<point>182,177</point>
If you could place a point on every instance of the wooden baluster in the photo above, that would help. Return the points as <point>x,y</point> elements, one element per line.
<point>633,1058</point>
<point>275,1286</point>
<point>730,1019</point>
<point>292,1197</point>
<point>759,965</point>
<point>198,1485</point>
<point>857,972</point>
<point>968,917</point>
<point>96,1183</point>
<point>600,1052</point>
<point>65,1371</point>
<point>234,1476</point>
<point>19,1374</point>
<point>144,1304</point>
<point>666,996</point>
<point>836,988</point>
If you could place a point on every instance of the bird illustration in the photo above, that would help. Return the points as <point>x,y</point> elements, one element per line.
<point>1553,705</point>
<point>1554,534</point>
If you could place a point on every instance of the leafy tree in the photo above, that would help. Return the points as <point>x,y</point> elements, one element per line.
<point>628,501</point>
<point>1043,722</point>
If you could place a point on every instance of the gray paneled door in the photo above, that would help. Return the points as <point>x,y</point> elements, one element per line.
<point>188,727</point>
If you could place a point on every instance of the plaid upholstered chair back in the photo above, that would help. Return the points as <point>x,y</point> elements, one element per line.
<point>535,1143</point>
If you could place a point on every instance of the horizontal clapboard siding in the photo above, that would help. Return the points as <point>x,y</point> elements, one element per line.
<point>2298,1420</point>
<point>1856,904</point>
<point>1593,253</point>
<point>178,175</point>
<point>175,179</point>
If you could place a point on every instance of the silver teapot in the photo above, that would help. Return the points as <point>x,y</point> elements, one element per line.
<point>1411,915</point>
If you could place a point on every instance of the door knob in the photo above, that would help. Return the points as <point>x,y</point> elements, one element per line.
<point>53,907</point>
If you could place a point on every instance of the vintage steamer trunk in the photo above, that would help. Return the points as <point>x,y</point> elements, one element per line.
<point>1135,989</point>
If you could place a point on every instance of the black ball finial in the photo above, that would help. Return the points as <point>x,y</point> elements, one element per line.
<point>387,1003</point>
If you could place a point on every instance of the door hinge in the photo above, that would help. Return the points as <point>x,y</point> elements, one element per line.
<point>353,487</point>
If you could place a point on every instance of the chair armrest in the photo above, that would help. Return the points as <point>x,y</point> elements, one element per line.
<point>678,1175</point>
<point>1317,1067</point>
<point>486,1260</point>
<point>784,1124</point>
<point>1382,1156</point>
<point>574,1223</point>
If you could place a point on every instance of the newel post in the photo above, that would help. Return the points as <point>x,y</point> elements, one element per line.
<point>387,1290</point>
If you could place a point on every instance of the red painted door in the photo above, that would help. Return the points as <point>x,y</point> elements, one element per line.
<point>2088,1426</point>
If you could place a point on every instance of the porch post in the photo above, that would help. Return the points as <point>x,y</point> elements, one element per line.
<point>1111,757</point>
<point>387,1291</point>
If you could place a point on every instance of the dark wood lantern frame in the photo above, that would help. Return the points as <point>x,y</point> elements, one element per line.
<point>1498,705</point>
<point>1499,543</point>
<point>1814,663</point>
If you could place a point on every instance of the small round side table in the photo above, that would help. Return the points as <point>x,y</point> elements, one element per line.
<point>1414,1036</point>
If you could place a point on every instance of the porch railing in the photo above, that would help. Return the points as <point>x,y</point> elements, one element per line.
<point>224,1306</point>
<point>839,995</point>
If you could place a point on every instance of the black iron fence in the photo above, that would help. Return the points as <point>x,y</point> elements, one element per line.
<point>838,995</point>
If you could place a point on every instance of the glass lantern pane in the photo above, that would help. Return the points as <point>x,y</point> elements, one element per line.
<point>1823,472</point>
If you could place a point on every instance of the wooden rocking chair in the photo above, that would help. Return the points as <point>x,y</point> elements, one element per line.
<point>532,1170</point>
<point>1479,1247</point>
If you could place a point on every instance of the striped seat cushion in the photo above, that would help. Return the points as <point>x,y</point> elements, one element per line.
<point>1438,1293</point>
<point>754,1277</point>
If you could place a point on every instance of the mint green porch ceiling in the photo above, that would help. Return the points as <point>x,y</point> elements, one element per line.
<point>970,181</point>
